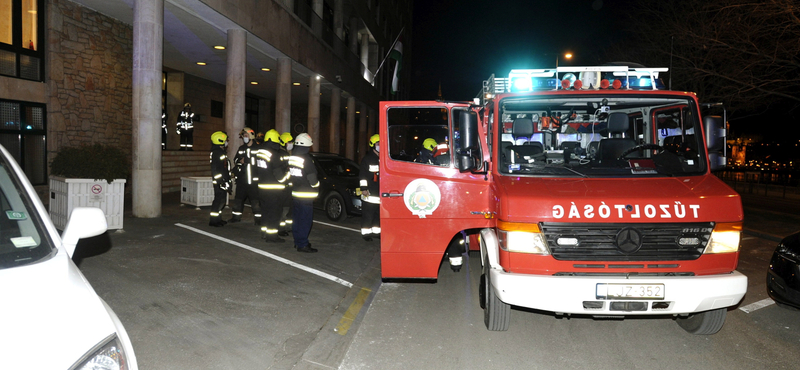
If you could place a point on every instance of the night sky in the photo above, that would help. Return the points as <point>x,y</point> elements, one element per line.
<point>460,43</point>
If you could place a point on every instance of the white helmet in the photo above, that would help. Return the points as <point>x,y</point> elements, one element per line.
<point>303,140</point>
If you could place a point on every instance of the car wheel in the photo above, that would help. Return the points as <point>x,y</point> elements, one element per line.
<point>496,313</point>
<point>704,323</point>
<point>334,207</point>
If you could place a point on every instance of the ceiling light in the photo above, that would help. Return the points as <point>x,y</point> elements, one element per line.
<point>265,69</point>
<point>254,82</point>
<point>201,63</point>
<point>296,84</point>
<point>219,47</point>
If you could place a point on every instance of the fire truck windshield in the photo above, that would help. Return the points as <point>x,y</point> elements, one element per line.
<point>611,135</point>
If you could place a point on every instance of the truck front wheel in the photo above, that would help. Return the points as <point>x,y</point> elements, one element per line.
<point>496,313</point>
<point>704,323</point>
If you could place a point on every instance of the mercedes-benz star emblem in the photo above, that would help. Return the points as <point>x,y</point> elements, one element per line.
<point>628,240</point>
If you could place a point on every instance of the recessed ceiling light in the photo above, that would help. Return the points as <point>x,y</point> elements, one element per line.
<point>254,82</point>
<point>201,63</point>
<point>296,84</point>
<point>265,69</point>
<point>219,47</point>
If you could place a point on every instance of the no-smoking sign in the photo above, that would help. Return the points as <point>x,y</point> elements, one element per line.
<point>97,189</point>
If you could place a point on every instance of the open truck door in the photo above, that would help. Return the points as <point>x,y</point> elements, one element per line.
<point>425,200</point>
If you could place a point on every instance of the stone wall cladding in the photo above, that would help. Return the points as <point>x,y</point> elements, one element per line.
<point>90,64</point>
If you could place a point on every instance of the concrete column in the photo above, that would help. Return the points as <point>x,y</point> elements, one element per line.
<point>313,109</point>
<point>354,35</point>
<point>336,104</point>
<point>148,38</point>
<point>283,96</point>
<point>362,131</point>
<point>338,19</point>
<point>234,88</point>
<point>350,129</point>
<point>175,99</point>
<point>365,57</point>
<point>317,6</point>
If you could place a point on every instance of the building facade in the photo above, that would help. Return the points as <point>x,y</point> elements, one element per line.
<point>79,72</point>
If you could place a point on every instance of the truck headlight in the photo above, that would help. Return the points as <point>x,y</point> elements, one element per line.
<point>725,238</point>
<point>521,237</point>
<point>108,355</point>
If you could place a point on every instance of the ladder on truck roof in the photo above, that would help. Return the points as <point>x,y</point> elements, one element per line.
<point>498,85</point>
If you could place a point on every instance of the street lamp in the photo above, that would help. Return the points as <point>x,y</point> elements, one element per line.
<point>566,56</point>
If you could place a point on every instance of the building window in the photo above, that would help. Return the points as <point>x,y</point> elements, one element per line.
<point>21,35</point>
<point>251,113</point>
<point>217,109</point>
<point>23,129</point>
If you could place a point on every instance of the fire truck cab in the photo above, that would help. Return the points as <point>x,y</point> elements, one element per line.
<point>585,190</point>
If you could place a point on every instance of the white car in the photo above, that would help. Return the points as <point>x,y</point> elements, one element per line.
<point>50,317</point>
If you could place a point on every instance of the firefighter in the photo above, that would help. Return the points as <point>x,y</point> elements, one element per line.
<point>163,130</point>
<point>286,213</point>
<point>186,127</point>
<point>426,153</point>
<point>305,188</point>
<point>246,179</point>
<point>220,176</point>
<point>370,189</point>
<point>272,176</point>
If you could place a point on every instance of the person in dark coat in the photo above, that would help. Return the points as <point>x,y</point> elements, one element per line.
<point>369,181</point>
<point>305,188</point>
<point>220,177</point>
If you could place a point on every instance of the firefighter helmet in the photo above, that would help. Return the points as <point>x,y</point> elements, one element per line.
<point>187,105</point>
<point>219,138</point>
<point>247,132</point>
<point>303,140</point>
<point>374,139</point>
<point>286,138</point>
<point>272,135</point>
<point>429,144</point>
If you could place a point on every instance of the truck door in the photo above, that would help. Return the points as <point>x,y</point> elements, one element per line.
<point>425,200</point>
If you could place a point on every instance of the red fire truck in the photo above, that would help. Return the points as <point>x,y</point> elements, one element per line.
<point>586,191</point>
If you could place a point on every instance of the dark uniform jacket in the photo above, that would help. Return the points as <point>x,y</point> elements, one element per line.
<point>370,177</point>
<point>220,167</point>
<point>271,170</point>
<point>303,174</point>
<point>246,171</point>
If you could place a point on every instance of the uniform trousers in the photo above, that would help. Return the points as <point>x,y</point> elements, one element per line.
<point>302,215</point>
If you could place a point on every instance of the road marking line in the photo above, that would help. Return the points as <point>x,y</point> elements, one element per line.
<point>270,255</point>
<point>352,312</point>
<point>341,227</point>
<point>757,305</point>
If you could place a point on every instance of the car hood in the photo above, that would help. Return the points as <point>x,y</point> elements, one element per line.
<point>688,199</point>
<point>50,315</point>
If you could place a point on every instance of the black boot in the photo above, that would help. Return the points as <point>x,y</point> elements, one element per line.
<point>306,249</point>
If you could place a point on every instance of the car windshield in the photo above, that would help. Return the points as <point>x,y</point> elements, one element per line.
<point>22,237</point>
<point>609,135</point>
<point>341,167</point>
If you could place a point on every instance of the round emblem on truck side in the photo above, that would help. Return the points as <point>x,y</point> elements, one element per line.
<point>422,197</point>
<point>628,240</point>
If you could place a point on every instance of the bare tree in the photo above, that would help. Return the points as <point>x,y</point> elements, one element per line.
<point>743,53</point>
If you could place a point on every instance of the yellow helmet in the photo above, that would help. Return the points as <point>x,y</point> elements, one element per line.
<point>286,138</point>
<point>219,138</point>
<point>273,135</point>
<point>374,139</point>
<point>247,132</point>
<point>429,144</point>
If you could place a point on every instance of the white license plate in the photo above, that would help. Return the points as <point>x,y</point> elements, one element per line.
<point>630,291</point>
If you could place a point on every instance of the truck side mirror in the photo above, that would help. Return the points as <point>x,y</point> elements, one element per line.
<point>714,128</point>
<point>469,153</point>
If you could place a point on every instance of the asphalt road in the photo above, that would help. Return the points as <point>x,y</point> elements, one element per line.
<point>196,297</point>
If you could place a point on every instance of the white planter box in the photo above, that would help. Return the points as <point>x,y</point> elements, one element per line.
<point>197,191</point>
<point>66,194</point>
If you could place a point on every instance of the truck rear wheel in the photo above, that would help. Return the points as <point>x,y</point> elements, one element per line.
<point>704,323</point>
<point>496,313</point>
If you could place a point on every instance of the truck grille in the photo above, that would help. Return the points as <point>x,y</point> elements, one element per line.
<point>627,242</point>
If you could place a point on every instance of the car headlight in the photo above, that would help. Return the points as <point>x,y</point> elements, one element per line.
<point>108,355</point>
<point>725,238</point>
<point>521,237</point>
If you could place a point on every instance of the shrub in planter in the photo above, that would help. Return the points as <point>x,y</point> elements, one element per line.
<point>97,162</point>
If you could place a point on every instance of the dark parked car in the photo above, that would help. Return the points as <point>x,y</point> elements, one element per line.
<point>338,182</point>
<point>783,276</point>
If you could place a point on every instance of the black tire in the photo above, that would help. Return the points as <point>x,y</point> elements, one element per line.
<point>704,323</point>
<point>335,208</point>
<point>496,313</point>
